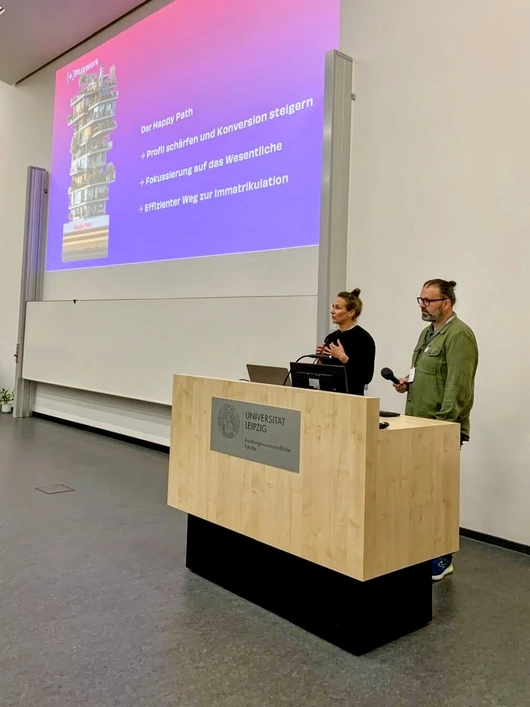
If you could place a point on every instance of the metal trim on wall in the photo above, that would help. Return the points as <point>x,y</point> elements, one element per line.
<point>32,277</point>
<point>332,266</point>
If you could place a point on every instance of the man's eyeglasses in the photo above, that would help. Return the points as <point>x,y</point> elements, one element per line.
<point>423,301</point>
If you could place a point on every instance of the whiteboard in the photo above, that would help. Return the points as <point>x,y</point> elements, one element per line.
<point>132,348</point>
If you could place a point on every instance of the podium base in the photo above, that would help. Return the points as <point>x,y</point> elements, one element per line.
<point>356,616</point>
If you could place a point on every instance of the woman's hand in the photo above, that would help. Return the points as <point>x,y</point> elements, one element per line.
<point>337,351</point>
<point>322,350</point>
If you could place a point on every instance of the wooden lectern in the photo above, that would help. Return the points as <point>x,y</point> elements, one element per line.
<point>339,540</point>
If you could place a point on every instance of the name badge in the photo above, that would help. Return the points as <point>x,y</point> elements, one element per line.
<point>412,374</point>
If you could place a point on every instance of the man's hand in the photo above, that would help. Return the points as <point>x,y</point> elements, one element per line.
<point>403,385</point>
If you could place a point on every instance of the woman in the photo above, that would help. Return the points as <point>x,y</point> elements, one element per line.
<point>350,345</point>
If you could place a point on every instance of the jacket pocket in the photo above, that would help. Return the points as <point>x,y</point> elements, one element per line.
<point>431,360</point>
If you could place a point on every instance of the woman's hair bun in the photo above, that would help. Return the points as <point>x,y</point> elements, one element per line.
<point>356,292</point>
<point>451,283</point>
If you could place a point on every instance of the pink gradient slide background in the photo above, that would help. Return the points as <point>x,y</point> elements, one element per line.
<point>226,61</point>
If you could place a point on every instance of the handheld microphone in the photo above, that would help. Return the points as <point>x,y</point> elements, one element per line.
<point>388,374</point>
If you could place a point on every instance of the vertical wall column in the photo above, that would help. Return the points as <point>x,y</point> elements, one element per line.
<point>32,276</point>
<point>332,267</point>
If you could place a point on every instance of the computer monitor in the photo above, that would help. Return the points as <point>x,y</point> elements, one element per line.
<point>273,375</point>
<point>319,377</point>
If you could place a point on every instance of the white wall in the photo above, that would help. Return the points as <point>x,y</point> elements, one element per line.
<point>10,237</point>
<point>441,188</point>
<point>24,131</point>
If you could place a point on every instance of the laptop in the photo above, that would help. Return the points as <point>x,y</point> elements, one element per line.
<point>272,375</point>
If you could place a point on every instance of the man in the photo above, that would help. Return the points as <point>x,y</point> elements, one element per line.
<point>441,382</point>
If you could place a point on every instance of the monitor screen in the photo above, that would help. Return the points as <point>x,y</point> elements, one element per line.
<point>313,375</point>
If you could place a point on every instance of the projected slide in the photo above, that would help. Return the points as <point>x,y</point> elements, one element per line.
<point>197,132</point>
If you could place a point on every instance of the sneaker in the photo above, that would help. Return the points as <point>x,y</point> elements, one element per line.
<point>441,568</point>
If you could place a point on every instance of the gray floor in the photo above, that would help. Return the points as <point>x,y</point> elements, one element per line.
<point>97,608</point>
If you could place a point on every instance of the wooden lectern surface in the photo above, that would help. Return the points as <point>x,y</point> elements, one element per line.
<point>366,501</point>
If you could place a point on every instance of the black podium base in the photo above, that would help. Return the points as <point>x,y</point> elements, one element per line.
<point>356,616</point>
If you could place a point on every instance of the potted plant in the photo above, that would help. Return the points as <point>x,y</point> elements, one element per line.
<point>6,399</point>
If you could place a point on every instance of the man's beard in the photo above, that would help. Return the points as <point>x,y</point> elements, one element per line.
<point>428,317</point>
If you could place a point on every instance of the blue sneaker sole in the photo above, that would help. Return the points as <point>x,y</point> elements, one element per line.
<point>447,571</point>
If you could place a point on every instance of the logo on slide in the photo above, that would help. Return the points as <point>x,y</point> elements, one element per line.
<point>75,73</point>
<point>228,421</point>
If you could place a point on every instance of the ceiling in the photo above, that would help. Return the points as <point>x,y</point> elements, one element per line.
<point>34,32</point>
